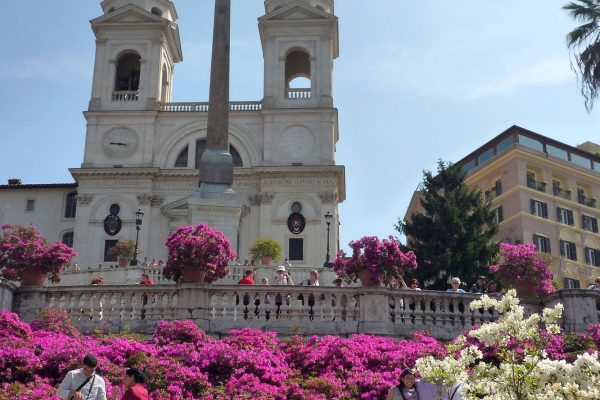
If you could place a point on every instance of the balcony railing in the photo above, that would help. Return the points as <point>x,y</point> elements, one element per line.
<point>562,192</point>
<point>298,94</point>
<point>586,201</point>
<point>203,106</point>
<point>289,310</point>
<point>125,95</point>
<point>537,185</point>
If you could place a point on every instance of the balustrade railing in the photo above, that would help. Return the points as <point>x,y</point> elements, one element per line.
<point>203,106</point>
<point>125,95</point>
<point>297,94</point>
<point>587,201</point>
<point>537,185</point>
<point>289,310</point>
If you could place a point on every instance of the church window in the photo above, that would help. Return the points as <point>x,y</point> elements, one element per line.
<point>297,75</point>
<point>296,249</point>
<point>108,244</point>
<point>164,85</point>
<point>71,205</point>
<point>30,205</point>
<point>67,239</point>
<point>128,73</point>
<point>182,158</point>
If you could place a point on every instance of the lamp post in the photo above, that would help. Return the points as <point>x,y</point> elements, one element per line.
<point>138,223</point>
<point>328,218</point>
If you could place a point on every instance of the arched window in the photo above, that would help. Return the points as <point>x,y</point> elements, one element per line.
<point>164,85</point>
<point>128,72</point>
<point>67,239</point>
<point>182,158</point>
<point>297,75</point>
<point>71,205</point>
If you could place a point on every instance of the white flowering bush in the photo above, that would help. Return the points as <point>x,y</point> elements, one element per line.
<point>507,359</point>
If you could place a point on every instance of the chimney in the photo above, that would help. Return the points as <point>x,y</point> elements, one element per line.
<point>14,182</point>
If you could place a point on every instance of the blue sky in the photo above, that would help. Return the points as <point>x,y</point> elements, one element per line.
<point>416,81</point>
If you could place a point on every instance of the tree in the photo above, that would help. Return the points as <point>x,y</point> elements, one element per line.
<point>454,235</point>
<point>584,43</point>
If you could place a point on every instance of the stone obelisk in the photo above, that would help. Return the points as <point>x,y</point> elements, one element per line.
<point>214,202</point>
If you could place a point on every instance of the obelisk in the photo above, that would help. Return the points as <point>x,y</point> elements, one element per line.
<point>214,202</point>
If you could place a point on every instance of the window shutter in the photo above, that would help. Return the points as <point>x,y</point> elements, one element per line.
<point>594,225</point>
<point>547,245</point>
<point>498,188</point>
<point>597,258</point>
<point>562,248</point>
<point>500,214</point>
<point>558,215</point>
<point>588,256</point>
<point>573,251</point>
<point>570,218</point>
<point>532,204</point>
<point>544,210</point>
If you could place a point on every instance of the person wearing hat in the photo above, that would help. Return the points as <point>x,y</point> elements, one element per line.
<point>282,277</point>
<point>479,286</point>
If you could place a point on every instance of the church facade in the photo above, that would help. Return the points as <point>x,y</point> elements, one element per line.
<point>142,150</point>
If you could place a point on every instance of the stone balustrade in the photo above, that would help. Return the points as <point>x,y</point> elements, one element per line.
<point>203,106</point>
<point>298,94</point>
<point>125,95</point>
<point>288,310</point>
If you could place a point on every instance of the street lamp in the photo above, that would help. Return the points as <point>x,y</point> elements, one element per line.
<point>138,223</point>
<point>328,218</point>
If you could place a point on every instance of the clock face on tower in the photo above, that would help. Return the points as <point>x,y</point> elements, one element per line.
<point>119,143</point>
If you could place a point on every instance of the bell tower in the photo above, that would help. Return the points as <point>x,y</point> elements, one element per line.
<point>300,41</point>
<point>137,46</point>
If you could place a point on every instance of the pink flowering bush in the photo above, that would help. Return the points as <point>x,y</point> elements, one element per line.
<point>200,247</point>
<point>24,249</point>
<point>522,264</point>
<point>182,362</point>
<point>382,257</point>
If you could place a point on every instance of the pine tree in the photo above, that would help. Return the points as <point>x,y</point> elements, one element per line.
<point>454,234</point>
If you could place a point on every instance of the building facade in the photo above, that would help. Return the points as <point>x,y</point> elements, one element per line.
<point>142,150</point>
<point>545,192</point>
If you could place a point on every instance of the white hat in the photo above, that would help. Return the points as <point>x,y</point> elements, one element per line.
<point>280,268</point>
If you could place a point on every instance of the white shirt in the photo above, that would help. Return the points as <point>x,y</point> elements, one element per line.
<point>280,279</point>
<point>594,287</point>
<point>95,389</point>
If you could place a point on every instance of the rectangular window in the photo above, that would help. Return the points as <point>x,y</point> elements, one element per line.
<point>539,209</point>
<point>108,244</point>
<point>499,214</point>
<point>589,223</point>
<point>564,216</point>
<point>572,283</point>
<point>469,165</point>
<point>556,188</point>
<point>581,161</point>
<point>296,249</point>
<point>531,143</point>
<point>542,244</point>
<point>498,187</point>
<point>504,144</point>
<point>30,205</point>
<point>568,250</point>
<point>486,155</point>
<point>556,152</point>
<point>592,257</point>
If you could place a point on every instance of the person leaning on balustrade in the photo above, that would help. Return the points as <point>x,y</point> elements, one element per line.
<point>595,286</point>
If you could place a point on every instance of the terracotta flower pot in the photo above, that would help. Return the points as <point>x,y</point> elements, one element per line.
<point>33,278</point>
<point>192,275</point>
<point>525,289</point>
<point>366,278</point>
<point>266,260</point>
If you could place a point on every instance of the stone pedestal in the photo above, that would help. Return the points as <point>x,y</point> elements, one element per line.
<point>219,207</point>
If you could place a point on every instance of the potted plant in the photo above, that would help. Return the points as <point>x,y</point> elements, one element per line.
<point>374,261</point>
<point>197,255</point>
<point>122,251</point>
<point>266,250</point>
<point>522,267</point>
<point>27,256</point>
